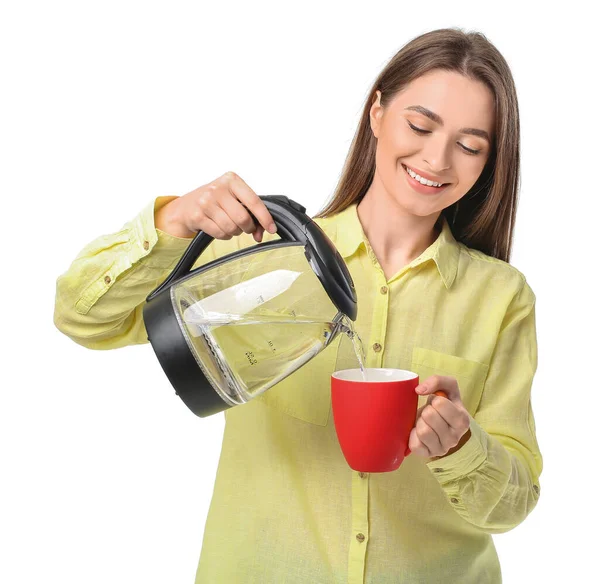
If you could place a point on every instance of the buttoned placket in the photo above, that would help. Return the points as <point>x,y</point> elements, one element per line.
<point>360,480</point>
<point>379,327</point>
<point>360,528</point>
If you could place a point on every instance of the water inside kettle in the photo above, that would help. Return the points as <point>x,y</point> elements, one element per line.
<point>253,320</point>
<point>254,352</point>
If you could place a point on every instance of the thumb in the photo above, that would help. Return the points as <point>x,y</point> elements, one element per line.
<point>440,383</point>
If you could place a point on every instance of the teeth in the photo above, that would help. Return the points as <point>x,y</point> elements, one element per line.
<point>422,180</point>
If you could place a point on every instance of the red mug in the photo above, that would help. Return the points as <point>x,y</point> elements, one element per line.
<point>373,418</point>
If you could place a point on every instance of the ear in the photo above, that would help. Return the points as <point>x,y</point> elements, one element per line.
<point>375,114</point>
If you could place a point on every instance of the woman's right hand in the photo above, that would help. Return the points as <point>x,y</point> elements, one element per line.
<point>219,208</point>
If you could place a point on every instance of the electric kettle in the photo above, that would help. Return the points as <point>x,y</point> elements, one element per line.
<point>229,330</point>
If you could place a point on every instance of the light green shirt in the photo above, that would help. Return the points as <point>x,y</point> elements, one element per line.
<point>286,507</point>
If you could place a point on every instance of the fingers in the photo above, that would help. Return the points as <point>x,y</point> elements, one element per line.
<point>251,201</point>
<point>456,418</point>
<point>237,214</point>
<point>441,422</point>
<point>415,442</point>
<point>258,234</point>
<point>223,219</point>
<point>224,208</point>
<point>207,215</point>
<point>450,407</point>
<point>434,430</point>
<point>416,445</point>
<point>209,226</point>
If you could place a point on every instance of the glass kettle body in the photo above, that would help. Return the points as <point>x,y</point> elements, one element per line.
<point>231,329</point>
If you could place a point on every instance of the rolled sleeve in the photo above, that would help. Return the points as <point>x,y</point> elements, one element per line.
<point>157,248</point>
<point>492,481</point>
<point>464,461</point>
<point>99,299</point>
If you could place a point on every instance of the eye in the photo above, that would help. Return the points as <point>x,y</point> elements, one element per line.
<point>418,130</point>
<point>421,132</point>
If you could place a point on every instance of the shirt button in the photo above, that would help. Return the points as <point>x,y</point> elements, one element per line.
<point>107,280</point>
<point>384,290</point>
<point>362,475</point>
<point>454,500</point>
<point>536,488</point>
<point>146,245</point>
<point>438,470</point>
<point>360,537</point>
<point>377,347</point>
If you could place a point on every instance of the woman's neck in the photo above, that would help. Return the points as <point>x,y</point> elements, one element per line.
<point>396,236</point>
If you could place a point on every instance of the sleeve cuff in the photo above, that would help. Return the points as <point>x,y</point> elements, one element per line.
<point>465,460</point>
<point>166,249</point>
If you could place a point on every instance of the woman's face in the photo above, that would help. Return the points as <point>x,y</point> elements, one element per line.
<point>449,150</point>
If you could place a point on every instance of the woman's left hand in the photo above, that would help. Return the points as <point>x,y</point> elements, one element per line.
<point>442,425</point>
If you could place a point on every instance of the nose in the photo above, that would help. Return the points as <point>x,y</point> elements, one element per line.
<point>437,155</point>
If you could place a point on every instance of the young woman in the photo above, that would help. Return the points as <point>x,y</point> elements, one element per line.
<point>423,215</point>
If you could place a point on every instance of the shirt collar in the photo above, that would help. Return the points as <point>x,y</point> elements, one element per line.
<point>444,251</point>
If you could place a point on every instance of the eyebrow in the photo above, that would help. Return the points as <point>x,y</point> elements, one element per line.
<point>438,120</point>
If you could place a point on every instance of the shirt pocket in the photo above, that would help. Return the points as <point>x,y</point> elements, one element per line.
<point>306,393</point>
<point>470,374</point>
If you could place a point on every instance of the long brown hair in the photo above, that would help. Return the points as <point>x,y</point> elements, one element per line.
<point>484,218</point>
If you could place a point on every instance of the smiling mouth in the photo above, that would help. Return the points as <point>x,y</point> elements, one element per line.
<point>406,171</point>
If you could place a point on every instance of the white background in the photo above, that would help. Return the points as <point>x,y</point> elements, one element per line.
<point>106,476</point>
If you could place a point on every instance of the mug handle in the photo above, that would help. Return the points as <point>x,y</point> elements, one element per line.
<point>441,394</point>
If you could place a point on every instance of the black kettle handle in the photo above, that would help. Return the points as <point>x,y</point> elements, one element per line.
<point>287,214</point>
